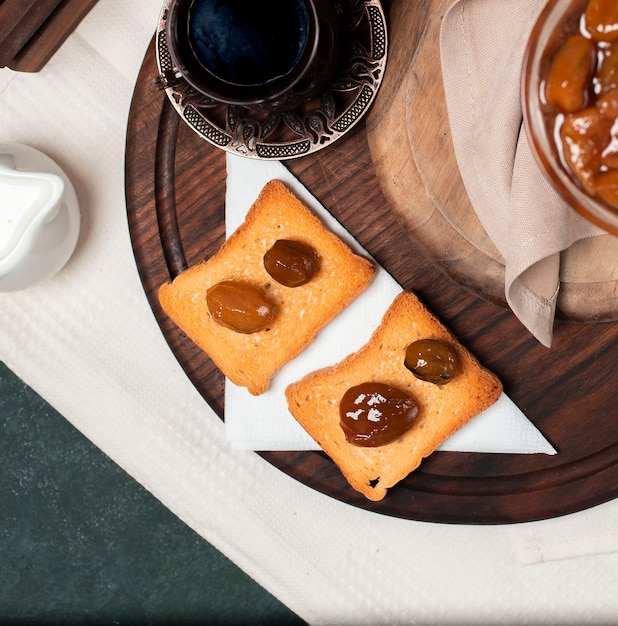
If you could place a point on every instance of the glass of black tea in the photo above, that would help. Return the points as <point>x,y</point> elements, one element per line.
<point>272,55</point>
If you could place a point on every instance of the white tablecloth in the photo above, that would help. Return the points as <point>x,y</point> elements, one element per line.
<point>89,344</point>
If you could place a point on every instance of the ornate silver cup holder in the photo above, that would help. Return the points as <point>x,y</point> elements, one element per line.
<point>309,127</point>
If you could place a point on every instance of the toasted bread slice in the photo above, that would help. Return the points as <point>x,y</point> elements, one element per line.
<point>251,360</point>
<point>314,400</point>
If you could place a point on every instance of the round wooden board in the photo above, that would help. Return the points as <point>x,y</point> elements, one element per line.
<point>409,139</point>
<point>175,188</point>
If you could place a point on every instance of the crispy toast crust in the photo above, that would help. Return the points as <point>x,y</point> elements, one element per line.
<point>251,360</point>
<point>314,400</point>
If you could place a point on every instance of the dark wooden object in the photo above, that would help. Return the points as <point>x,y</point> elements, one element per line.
<point>175,186</point>
<point>32,30</point>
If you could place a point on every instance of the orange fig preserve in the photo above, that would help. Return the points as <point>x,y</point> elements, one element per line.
<point>579,94</point>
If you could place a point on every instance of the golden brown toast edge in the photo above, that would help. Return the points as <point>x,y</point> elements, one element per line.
<point>314,400</point>
<point>252,360</point>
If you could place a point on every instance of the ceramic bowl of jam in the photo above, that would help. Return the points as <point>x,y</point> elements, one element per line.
<point>570,104</point>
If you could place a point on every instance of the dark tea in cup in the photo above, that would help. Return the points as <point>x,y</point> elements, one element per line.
<point>272,54</point>
<point>241,44</point>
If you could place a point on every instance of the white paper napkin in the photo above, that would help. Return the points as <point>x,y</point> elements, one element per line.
<point>594,531</point>
<point>264,422</point>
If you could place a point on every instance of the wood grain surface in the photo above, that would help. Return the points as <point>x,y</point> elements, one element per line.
<point>175,188</point>
<point>32,30</point>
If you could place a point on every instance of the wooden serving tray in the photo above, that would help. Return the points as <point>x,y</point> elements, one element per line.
<point>175,188</point>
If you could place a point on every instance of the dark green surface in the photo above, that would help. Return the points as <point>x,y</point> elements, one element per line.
<point>82,542</point>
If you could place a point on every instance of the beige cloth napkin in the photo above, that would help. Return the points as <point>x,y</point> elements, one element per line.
<point>482,47</point>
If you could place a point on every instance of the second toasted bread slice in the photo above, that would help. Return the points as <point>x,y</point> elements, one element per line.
<point>443,409</point>
<point>251,360</point>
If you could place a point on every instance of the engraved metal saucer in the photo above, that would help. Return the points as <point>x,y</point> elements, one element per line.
<point>309,127</point>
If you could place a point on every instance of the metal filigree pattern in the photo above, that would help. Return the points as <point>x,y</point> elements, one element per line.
<point>307,128</point>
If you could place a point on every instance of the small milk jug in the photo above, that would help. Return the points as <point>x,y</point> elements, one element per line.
<point>39,217</point>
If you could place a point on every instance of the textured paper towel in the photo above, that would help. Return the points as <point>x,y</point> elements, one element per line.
<point>88,343</point>
<point>482,48</point>
<point>264,423</point>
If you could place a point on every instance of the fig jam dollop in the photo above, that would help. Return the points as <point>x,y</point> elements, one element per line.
<point>374,414</point>
<point>239,306</point>
<point>432,360</point>
<point>291,263</point>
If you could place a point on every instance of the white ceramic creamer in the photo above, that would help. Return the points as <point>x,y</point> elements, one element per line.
<point>39,217</point>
